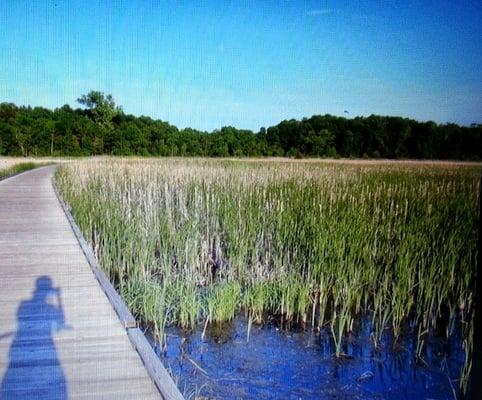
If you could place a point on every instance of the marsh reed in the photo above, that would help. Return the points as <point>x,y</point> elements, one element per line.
<point>196,241</point>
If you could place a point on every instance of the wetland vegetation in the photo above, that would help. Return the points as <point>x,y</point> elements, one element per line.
<point>319,245</point>
<point>14,167</point>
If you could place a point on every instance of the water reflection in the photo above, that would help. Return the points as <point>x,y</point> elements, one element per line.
<point>294,365</point>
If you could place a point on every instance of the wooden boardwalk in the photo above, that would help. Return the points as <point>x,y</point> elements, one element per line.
<point>59,334</point>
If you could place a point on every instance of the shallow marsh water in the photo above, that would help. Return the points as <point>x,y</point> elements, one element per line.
<point>278,364</point>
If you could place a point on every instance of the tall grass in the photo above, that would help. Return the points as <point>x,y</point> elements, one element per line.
<point>197,241</point>
<point>18,168</point>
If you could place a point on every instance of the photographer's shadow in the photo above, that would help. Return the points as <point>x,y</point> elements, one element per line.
<point>37,320</point>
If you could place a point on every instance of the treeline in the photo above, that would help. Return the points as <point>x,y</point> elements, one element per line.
<point>102,128</point>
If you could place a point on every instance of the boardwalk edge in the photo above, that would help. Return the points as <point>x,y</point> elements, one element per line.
<point>156,370</point>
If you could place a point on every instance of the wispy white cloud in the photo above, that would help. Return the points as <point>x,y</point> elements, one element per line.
<point>320,11</point>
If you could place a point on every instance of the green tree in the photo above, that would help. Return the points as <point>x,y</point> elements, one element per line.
<point>22,136</point>
<point>100,127</point>
<point>43,137</point>
<point>101,107</point>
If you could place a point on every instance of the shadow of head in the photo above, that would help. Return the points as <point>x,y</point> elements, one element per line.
<point>44,288</point>
<point>43,283</point>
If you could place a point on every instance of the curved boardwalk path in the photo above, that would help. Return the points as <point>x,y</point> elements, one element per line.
<point>59,335</point>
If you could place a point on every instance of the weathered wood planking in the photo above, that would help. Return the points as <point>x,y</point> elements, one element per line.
<point>80,349</point>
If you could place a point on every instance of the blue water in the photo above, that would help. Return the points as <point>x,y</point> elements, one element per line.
<point>277,364</point>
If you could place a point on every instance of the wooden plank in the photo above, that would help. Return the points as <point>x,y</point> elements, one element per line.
<point>41,357</point>
<point>156,370</point>
<point>92,370</point>
<point>129,388</point>
<point>92,348</point>
<point>25,260</point>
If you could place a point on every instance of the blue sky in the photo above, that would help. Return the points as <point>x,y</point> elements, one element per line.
<point>247,64</point>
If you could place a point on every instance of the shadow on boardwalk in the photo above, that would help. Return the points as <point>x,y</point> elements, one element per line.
<point>34,370</point>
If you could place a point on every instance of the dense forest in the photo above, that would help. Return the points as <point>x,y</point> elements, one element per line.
<point>100,127</point>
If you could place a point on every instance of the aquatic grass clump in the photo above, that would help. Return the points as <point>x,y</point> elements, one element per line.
<point>149,302</point>
<point>312,243</point>
<point>223,301</point>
